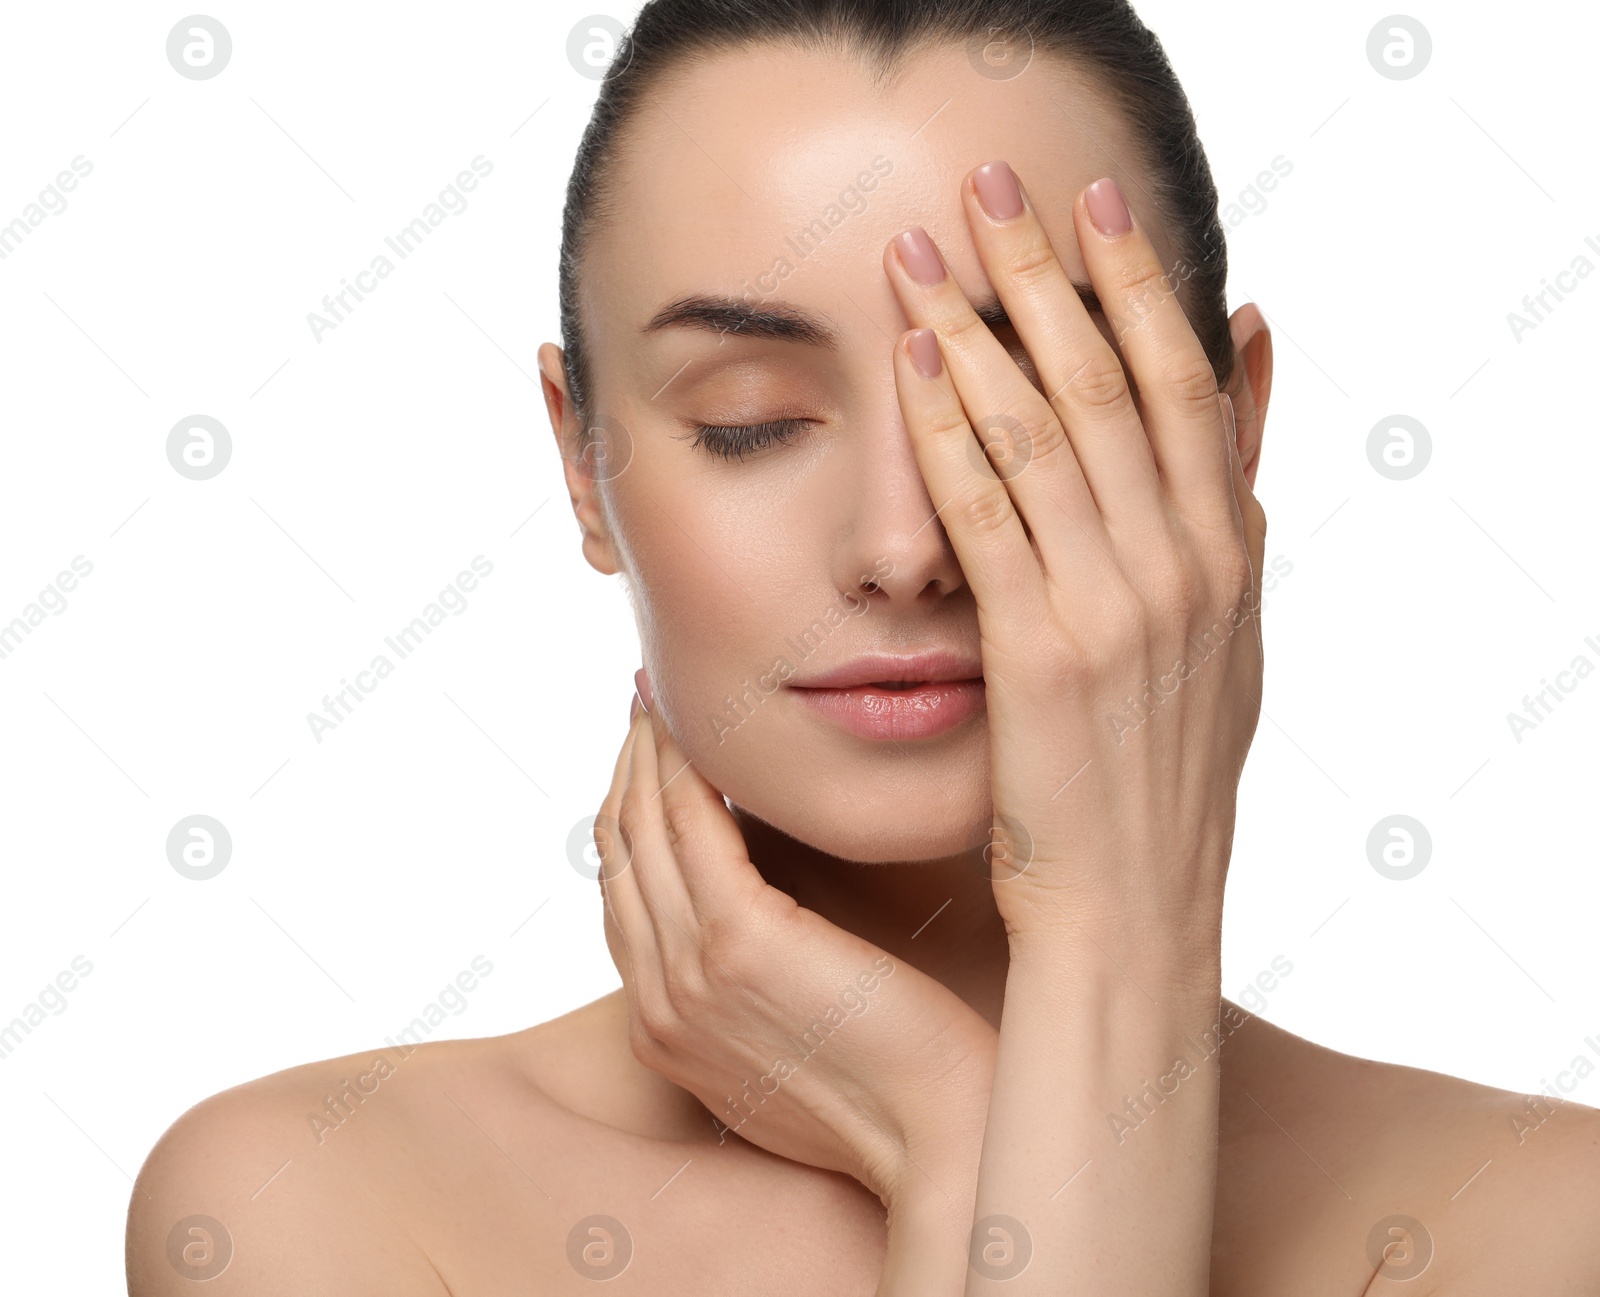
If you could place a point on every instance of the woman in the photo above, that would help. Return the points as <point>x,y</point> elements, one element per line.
<point>934,493</point>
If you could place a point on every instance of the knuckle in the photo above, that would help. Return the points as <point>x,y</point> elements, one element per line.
<point>1107,664</point>
<point>1076,669</point>
<point>679,819</point>
<point>1127,635</point>
<point>1078,665</point>
<point>738,937</point>
<point>729,948</point>
<point>641,1042</point>
<point>1234,573</point>
<point>986,511</point>
<point>654,1017</point>
<point>949,422</point>
<point>1031,436</point>
<point>1045,440</point>
<point>1142,285</point>
<point>1100,384</point>
<point>1177,592</point>
<point>1189,378</point>
<point>719,938</point>
<point>964,329</point>
<point>685,991</point>
<point>1036,261</point>
<point>1125,611</point>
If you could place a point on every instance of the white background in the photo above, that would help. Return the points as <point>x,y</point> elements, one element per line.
<point>370,467</point>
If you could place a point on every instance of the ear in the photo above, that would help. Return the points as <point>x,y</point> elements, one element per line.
<point>582,487</point>
<point>1251,385</point>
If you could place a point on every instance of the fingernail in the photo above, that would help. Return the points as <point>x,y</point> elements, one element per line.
<point>998,191</point>
<point>924,349</point>
<point>641,682</point>
<point>1107,208</point>
<point>633,707</point>
<point>919,256</point>
<point>1229,421</point>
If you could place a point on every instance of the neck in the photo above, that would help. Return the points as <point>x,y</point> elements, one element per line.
<point>938,915</point>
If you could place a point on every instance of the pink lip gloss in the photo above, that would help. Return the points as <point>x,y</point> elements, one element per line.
<point>920,712</point>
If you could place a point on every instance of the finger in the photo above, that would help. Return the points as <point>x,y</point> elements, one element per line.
<point>1037,465</point>
<point>617,946</point>
<point>655,866</point>
<point>623,959</point>
<point>1253,525</point>
<point>713,858</point>
<point>1230,445</point>
<point>1177,384</point>
<point>976,509</point>
<point>618,885</point>
<point>1252,517</point>
<point>1081,374</point>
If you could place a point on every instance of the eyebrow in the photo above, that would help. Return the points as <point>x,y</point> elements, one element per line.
<point>784,322</point>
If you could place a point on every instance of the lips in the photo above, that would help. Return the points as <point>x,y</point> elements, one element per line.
<point>897,697</point>
<point>896,671</point>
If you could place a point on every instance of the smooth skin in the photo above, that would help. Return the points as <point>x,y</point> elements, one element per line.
<point>1130,526</point>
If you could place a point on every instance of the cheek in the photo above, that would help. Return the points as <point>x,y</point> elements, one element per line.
<point>723,662</point>
<point>713,587</point>
<point>717,553</point>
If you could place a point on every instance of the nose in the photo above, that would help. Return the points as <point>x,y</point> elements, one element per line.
<point>896,546</point>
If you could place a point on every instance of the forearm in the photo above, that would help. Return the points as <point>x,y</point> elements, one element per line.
<point>934,1182</point>
<point>1099,1155</point>
<point>928,1231</point>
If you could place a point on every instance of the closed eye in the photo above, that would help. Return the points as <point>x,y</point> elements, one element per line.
<point>735,441</point>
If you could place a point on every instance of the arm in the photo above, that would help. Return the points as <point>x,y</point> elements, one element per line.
<point>1112,544</point>
<point>930,1211</point>
<point>1114,1196</point>
<point>1066,1160</point>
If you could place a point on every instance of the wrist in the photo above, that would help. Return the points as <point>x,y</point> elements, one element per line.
<point>935,1169</point>
<point>1076,962</point>
<point>928,1230</point>
<point>1181,927</point>
<point>1167,884</point>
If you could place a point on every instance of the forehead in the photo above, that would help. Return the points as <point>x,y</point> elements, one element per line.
<point>779,174</point>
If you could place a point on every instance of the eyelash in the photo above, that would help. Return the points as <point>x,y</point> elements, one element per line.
<point>735,441</point>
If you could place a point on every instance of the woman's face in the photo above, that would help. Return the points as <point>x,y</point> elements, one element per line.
<point>774,179</point>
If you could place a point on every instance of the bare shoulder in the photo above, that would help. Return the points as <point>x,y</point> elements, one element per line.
<point>241,1191</point>
<point>244,1187</point>
<point>1429,1181</point>
<point>351,1174</point>
<point>1526,1207</point>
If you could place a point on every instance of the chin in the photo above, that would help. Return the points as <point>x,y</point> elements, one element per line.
<point>871,828</point>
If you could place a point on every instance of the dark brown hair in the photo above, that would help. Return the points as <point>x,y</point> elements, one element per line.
<point>1104,38</point>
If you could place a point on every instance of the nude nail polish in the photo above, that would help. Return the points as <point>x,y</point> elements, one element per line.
<point>919,256</point>
<point>924,349</point>
<point>998,190</point>
<point>1108,209</point>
